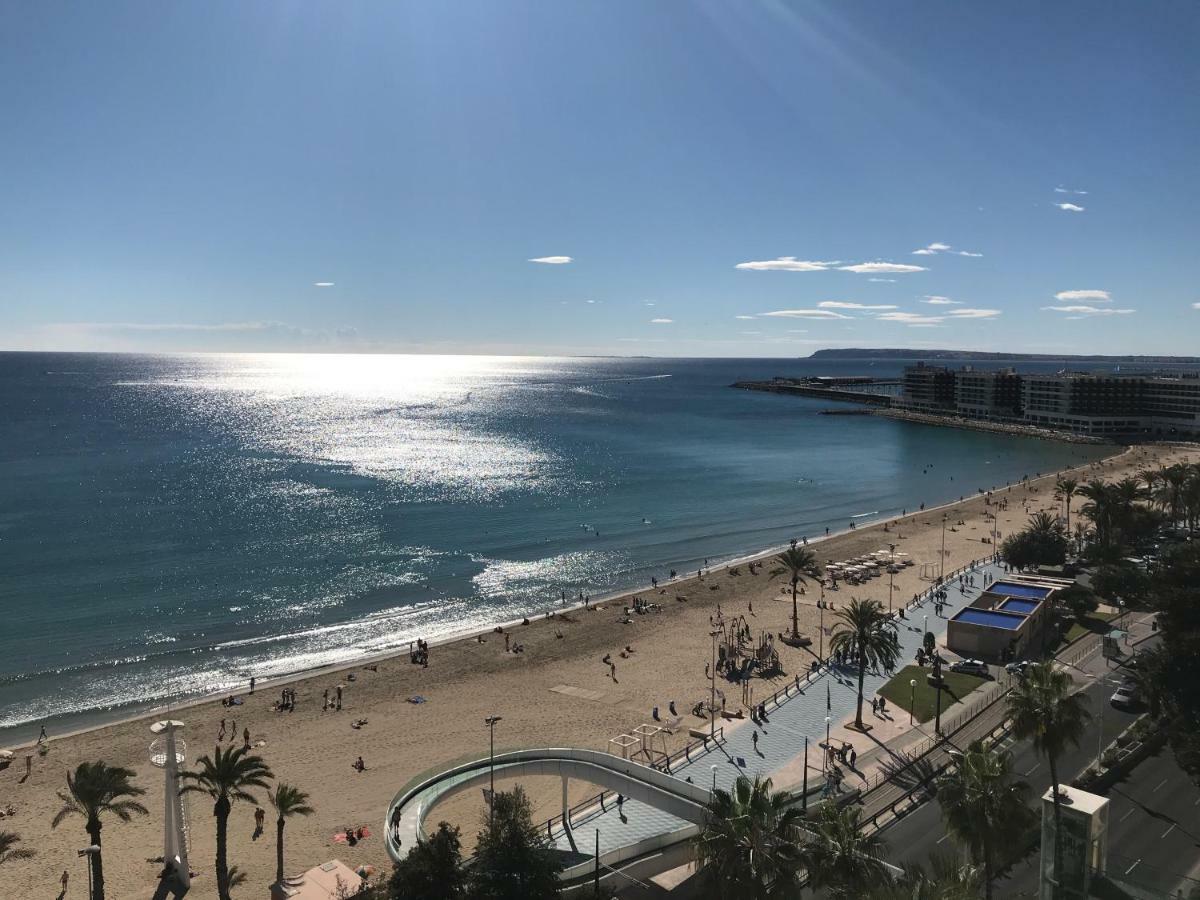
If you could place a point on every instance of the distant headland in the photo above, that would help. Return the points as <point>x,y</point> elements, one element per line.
<point>912,353</point>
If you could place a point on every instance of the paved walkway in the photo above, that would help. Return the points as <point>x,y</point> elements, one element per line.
<point>781,740</point>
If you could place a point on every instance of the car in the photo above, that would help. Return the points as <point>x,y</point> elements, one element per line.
<point>1126,696</point>
<point>1019,668</point>
<point>971,667</point>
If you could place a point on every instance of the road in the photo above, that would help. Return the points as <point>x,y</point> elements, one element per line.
<point>1154,817</point>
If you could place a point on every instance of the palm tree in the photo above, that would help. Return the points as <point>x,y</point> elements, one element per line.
<point>1101,509</point>
<point>751,841</point>
<point>9,850</point>
<point>867,635</point>
<point>288,801</point>
<point>796,563</point>
<point>840,857</point>
<point>1067,488</point>
<point>1043,708</point>
<point>94,789</point>
<point>981,804</point>
<point>226,776</point>
<point>947,879</point>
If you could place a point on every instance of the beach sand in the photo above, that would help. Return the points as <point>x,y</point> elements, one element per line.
<point>466,681</point>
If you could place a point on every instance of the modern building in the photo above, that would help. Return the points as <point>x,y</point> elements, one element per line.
<point>1010,620</point>
<point>1159,405</point>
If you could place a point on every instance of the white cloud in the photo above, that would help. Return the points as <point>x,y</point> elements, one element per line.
<point>650,303</point>
<point>661,321</point>
<point>969,313</point>
<point>1088,311</point>
<point>804,314</point>
<point>322,284</point>
<point>744,317</point>
<point>1062,190</point>
<point>935,300</point>
<point>845,304</point>
<point>886,268</point>
<point>968,253</point>
<point>786,264</point>
<point>1069,207</point>
<point>908,318</point>
<point>591,301</point>
<point>1196,306</point>
<point>924,251</point>
<point>553,260</point>
<point>883,280</point>
<point>1089,296</point>
<point>938,247</point>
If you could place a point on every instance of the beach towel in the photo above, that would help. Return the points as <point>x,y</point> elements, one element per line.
<point>341,837</point>
<point>416,698</point>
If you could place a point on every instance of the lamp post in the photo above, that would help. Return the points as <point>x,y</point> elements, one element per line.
<point>804,789</point>
<point>821,654</point>
<point>942,558</point>
<point>912,698</point>
<point>937,687</point>
<point>86,853</point>
<point>891,573</point>
<point>490,722</point>
<point>712,697</point>
<point>825,764</point>
<point>714,775</point>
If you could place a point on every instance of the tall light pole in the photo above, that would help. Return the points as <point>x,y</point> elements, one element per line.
<point>825,764</point>
<point>942,559</point>
<point>821,654</point>
<point>87,852</point>
<point>891,572</point>
<point>712,697</point>
<point>912,698</point>
<point>714,775</point>
<point>490,722</point>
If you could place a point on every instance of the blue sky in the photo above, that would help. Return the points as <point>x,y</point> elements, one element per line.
<point>726,179</point>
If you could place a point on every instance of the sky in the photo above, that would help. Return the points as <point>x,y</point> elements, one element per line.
<point>600,176</point>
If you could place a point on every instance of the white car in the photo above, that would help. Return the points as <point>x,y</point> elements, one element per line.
<point>971,667</point>
<point>1125,696</point>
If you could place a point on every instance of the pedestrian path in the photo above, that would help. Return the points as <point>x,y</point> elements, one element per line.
<point>832,696</point>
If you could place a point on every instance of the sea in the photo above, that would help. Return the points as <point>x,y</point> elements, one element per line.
<point>171,525</point>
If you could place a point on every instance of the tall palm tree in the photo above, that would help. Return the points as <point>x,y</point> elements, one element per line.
<point>94,789</point>
<point>840,857</point>
<point>796,563</point>
<point>867,635</point>
<point>9,849</point>
<point>947,879</point>
<point>751,841</point>
<point>1043,708</point>
<point>226,776</point>
<point>982,804</point>
<point>1067,488</point>
<point>288,801</point>
<point>1101,508</point>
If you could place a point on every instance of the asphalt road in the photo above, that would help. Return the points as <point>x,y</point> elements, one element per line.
<point>1154,819</point>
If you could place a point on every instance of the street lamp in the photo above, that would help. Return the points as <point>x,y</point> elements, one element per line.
<point>490,722</point>
<point>891,573</point>
<point>712,698</point>
<point>821,654</point>
<point>89,852</point>
<point>912,698</point>
<point>942,559</point>
<point>714,775</point>
<point>825,764</point>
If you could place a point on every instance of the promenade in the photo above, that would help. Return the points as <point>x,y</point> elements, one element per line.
<point>779,749</point>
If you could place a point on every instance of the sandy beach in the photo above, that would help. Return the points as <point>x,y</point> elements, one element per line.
<point>465,681</point>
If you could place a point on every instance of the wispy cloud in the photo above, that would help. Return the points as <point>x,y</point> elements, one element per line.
<point>908,318</point>
<point>1089,296</point>
<point>553,260</point>
<point>938,247</point>
<point>935,300</point>
<point>1082,311</point>
<point>803,314</point>
<point>1069,207</point>
<point>1062,190</point>
<point>322,284</point>
<point>661,321</point>
<point>787,264</point>
<point>882,268</point>
<point>970,313</point>
<point>883,280</point>
<point>1196,306</point>
<point>744,317</point>
<point>846,304</point>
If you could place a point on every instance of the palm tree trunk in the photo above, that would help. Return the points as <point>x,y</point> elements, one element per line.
<point>795,612</point>
<point>279,850</point>
<point>862,671</point>
<point>1057,823</point>
<point>94,860</point>
<point>221,811</point>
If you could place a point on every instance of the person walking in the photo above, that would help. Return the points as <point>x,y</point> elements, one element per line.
<point>339,696</point>
<point>66,877</point>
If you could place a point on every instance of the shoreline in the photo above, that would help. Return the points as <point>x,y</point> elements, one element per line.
<point>598,602</point>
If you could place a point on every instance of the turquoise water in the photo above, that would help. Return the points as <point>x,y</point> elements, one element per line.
<point>171,525</point>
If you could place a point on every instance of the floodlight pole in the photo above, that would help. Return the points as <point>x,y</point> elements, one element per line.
<point>712,698</point>
<point>942,558</point>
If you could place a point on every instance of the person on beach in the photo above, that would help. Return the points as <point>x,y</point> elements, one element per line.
<point>252,684</point>
<point>42,736</point>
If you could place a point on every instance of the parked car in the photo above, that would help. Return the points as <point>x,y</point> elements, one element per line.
<point>971,667</point>
<point>1018,668</point>
<point>1126,696</point>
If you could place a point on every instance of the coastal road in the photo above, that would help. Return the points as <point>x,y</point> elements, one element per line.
<point>1154,816</point>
